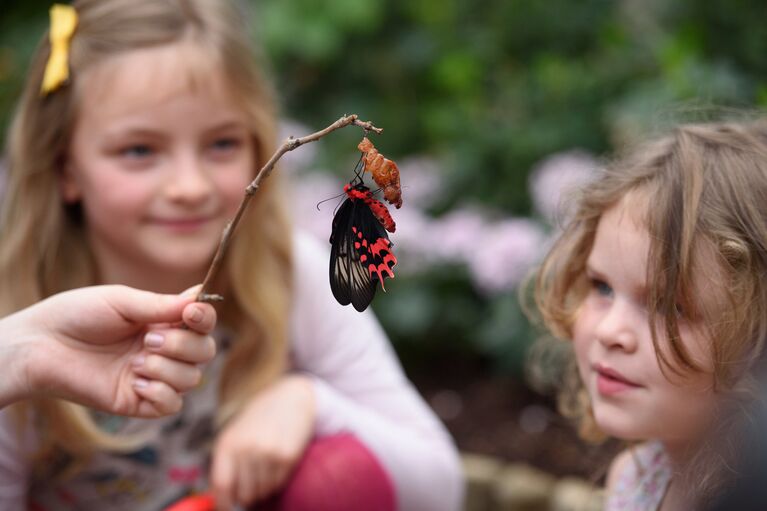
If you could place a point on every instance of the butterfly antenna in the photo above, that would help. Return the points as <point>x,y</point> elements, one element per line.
<point>331,198</point>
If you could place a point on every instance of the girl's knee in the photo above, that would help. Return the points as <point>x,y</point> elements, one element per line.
<point>338,473</point>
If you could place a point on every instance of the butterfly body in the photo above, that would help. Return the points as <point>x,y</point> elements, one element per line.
<point>361,192</point>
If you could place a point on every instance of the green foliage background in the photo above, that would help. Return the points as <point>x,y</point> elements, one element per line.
<point>488,88</point>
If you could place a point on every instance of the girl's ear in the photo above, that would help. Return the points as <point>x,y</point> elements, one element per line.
<point>70,190</point>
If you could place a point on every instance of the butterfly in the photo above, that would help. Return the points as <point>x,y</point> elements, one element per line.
<point>361,254</point>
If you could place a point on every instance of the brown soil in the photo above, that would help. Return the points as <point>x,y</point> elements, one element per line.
<point>499,416</point>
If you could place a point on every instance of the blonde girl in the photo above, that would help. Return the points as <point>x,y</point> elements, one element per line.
<point>125,163</point>
<point>659,282</point>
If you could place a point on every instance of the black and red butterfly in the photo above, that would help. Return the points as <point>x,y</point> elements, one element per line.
<point>361,254</point>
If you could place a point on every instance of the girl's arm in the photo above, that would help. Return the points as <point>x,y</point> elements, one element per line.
<point>360,388</point>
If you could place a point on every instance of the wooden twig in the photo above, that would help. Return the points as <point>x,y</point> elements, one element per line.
<point>290,144</point>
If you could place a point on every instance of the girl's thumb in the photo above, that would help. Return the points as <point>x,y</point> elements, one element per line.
<point>192,291</point>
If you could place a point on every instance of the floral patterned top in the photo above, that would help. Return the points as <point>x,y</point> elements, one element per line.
<point>643,482</point>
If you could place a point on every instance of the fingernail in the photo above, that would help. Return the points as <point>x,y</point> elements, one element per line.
<point>197,315</point>
<point>154,339</point>
<point>138,360</point>
<point>140,383</point>
<point>192,291</point>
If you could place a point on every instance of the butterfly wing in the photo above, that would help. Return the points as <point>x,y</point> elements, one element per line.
<point>360,254</point>
<point>349,279</point>
<point>374,247</point>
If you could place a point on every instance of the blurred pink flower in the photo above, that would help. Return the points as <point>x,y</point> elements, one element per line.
<point>421,183</point>
<point>554,179</point>
<point>413,238</point>
<point>505,253</point>
<point>455,235</point>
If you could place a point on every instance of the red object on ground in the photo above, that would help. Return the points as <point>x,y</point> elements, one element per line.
<point>202,502</point>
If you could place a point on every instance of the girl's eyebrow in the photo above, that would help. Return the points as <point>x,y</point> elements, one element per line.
<point>133,132</point>
<point>593,271</point>
<point>131,128</point>
<point>145,131</point>
<point>227,125</point>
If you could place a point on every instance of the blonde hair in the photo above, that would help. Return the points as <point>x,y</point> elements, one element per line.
<point>42,244</point>
<point>705,190</point>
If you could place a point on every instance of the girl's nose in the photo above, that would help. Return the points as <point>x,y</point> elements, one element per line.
<point>190,182</point>
<point>619,327</point>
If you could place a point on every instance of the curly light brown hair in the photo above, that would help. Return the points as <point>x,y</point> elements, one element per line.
<point>704,190</point>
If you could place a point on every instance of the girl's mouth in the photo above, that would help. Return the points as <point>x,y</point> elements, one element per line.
<point>611,382</point>
<point>181,224</point>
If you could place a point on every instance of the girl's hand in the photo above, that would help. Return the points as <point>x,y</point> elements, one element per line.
<point>256,452</point>
<point>113,348</point>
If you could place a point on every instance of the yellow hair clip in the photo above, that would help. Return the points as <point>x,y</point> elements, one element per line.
<point>63,24</point>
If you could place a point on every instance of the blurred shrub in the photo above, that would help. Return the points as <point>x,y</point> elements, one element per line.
<point>492,87</point>
<point>484,92</point>
<point>490,91</point>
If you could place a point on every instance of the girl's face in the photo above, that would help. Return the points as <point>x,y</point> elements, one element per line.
<point>160,158</point>
<point>630,396</point>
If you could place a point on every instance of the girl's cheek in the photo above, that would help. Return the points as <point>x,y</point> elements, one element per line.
<point>583,337</point>
<point>581,355</point>
<point>232,185</point>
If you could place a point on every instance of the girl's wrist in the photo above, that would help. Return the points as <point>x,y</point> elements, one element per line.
<point>297,387</point>
<point>304,384</point>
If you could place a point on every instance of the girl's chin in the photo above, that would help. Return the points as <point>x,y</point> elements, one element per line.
<point>180,268</point>
<point>187,257</point>
<point>621,427</point>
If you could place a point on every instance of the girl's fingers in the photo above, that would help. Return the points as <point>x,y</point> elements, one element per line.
<point>279,478</point>
<point>158,398</point>
<point>269,479</point>
<point>182,345</point>
<point>200,317</point>
<point>178,375</point>
<point>192,291</point>
<point>142,306</point>
<point>222,478</point>
<point>259,481</point>
<point>249,482</point>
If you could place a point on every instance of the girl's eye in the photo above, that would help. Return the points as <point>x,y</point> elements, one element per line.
<point>601,287</point>
<point>137,151</point>
<point>225,144</point>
